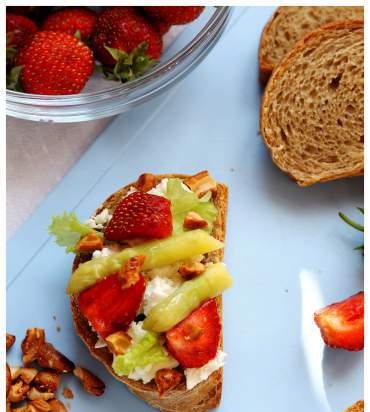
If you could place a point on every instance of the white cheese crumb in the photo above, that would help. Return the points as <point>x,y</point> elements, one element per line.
<point>102,253</point>
<point>157,290</point>
<point>160,189</point>
<point>130,191</point>
<point>100,220</point>
<point>147,373</point>
<point>196,375</point>
<point>100,343</point>
<point>136,331</point>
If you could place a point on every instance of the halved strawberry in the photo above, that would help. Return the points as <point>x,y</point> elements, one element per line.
<point>140,215</point>
<point>342,323</point>
<point>110,308</point>
<point>194,341</point>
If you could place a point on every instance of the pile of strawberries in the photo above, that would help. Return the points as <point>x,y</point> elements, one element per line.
<point>54,51</point>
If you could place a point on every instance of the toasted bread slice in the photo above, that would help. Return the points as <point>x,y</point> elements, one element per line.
<point>312,111</point>
<point>207,394</point>
<point>290,24</point>
<point>359,406</point>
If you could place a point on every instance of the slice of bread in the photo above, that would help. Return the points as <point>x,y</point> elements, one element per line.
<point>207,394</point>
<point>359,406</point>
<point>290,24</point>
<point>312,111</point>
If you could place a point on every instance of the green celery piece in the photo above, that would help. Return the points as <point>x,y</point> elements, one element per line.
<point>68,230</point>
<point>177,306</point>
<point>183,202</point>
<point>147,351</point>
<point>157,253</point>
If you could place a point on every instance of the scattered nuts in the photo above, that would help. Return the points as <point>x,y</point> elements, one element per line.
<point>118,342</point>
<point>47,381</point>
<point>10,339</point>
<point>41,405</point>
<point>190,272</point>
<point>49,357</point>
<point>89,243</point>
<point>31,344</point>
<point>34,394</point>
<point>167,379</point>
<point>8,380</point>
<point>26,374</point>
<point>201,183</point>
<point>145,182</point>
<point>18,391</point>
<point>194,221</point>
<point>91,383</point>
<point>129,273</point>
<point>67,393</point>
<point>57,406</point>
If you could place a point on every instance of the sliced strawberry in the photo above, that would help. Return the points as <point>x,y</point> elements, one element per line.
<point>342,323</point>
<point>140,215</point>
<point>108,307</point>
<point>194,341</point>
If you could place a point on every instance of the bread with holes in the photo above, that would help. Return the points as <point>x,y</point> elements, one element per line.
<point>312,110</point>
<point>290,24</point>
<point>359,406</point>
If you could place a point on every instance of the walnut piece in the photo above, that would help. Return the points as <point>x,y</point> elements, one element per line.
<point>8,380</point>
<point>34,394</point>
<point>191,271</point>
<point>57,406</point>
<point>89,243</point>
<point>67,393</point>
<point>91,383</point>
<point>167,379</point>
<point>18,391</point>
<point>194,221</point>
<point>35,337</point>
<point>26,374</point>
<point>146,181</point>
<point>10,339</point>
<point>129,273</point>
<point>47,381</point>
<point>118,342</point>
<point>49,357</point>
<point>201,183</point>
<point>41,405</point>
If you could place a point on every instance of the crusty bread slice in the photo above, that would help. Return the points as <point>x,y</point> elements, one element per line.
<point>290,24</point>
<point>312,110</point>
<point>207,394</point>
<point>359,406</point>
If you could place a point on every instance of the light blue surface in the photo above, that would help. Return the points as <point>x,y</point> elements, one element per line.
<point>276,359</point>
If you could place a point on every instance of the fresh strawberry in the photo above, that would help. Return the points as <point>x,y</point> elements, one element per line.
<point>133,41</point>
<point>140,215</point>
<point>174,14</point>
<point>71,20</point>
<point>194,341</point>
<point>54,63</point>
<point>110,308</point>
<point>162,27</point>
<point>342,323</point>
<point>18,29</point>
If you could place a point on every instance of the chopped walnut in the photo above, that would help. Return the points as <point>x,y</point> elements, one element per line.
<point>26,374</point>
<point>145,182</point>
<point>192,332</point>
<point>18,391</point>
<point>34,394</point>
<point>91,383</point>
<point>129,273</point>
<point>8,379</point>
<point>10,339</point>
<point>57,406</point>
<point>25,408</point>
<point>89,243</point>
<point>201,183</point>
<point>194,221</point>
<point>47,381</point>
<point>67,393</point>
<point>167,379</point>
<point>118,342</point>
<point>35,337</point>
<point>49,357</point>
<point>191,271</point>
<point>41,405</point>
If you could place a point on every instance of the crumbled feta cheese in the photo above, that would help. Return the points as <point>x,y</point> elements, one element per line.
<point>130,191</point>
<point>157,290</point>
<point>100,220</point>
<point>102,253</point>
<point>160,189</point>
<point>136,331</point>
<point>147,373</point>
<point>100,343</point>
<point>197,375</point>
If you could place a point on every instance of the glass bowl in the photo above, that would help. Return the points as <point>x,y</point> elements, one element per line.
<point>184,48</point>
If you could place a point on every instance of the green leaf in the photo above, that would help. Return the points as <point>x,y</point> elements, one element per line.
<point>183,202</point>
<point>68,230</point>
<point>147,351</point>
<point>13,79</point>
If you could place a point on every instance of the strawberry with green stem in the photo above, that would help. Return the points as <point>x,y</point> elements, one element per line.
<point>355,225</point>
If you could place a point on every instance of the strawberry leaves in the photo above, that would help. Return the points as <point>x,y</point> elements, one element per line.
<point>355,225</point>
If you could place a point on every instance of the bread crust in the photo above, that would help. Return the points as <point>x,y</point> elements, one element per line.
<point>275,77</point>
<point>359,406</point>
<point>207,394</point>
